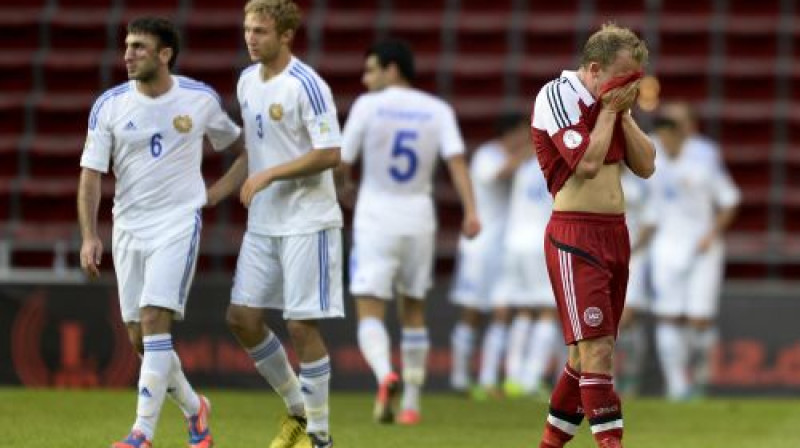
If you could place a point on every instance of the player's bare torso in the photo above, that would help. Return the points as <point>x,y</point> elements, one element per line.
<point>602,194</point>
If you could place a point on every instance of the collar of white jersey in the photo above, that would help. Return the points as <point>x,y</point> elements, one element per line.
<point>159,99</point>
<point>577,85</point>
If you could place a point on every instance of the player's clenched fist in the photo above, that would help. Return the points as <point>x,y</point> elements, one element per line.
<point>91,253</point>
<point>621,98</point>
<point>471,226</point>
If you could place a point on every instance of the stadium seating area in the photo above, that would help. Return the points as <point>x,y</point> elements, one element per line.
<point>736,59</point>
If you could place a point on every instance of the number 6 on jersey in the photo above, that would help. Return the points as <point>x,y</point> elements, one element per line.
<point>402,148</point>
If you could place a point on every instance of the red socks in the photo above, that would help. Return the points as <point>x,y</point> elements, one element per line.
<point>566,413</point>
<point>603,408</point>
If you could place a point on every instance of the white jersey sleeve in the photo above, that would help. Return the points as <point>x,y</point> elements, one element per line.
<point>318,110</point>
<point>556,107</point>
<point>451,140</point>
<point>220,129</point>
<point>726,194</point>
<point>355,129</point>
<point>99,139</point>
<point>486,165</point>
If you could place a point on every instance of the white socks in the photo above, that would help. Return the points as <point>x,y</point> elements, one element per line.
<point>542,344</point>
<point>702,342</point>
<point>315,379</point>
<point>271,362</point>
<point>373,340</point>
<point>673,354</point>
<point>414,346</point>
<point>462,341</point>
<point>157,365</point>
<point>494,343</point>
<point>518,339</point>
<point>181,391</point>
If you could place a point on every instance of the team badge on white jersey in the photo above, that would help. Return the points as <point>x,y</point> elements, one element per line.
<point>182,123</point>
<point>275,112</point>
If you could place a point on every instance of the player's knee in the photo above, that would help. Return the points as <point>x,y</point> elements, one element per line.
<point>242,321</point>
<point>301,332</point>
<point>597,355</point>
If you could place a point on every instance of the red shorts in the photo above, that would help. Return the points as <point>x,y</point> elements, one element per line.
<point>587,259</point>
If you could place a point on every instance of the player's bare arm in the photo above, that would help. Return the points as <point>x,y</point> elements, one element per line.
<point>722,221</point>
<point>471,225</point>
<point>88,206</point>
<point>640,154</point>
<point>232,179</point>
<point>346,188</point>
<point>308,164</point>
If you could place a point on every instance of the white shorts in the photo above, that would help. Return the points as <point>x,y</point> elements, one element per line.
<point>299,274</point>
<point>382,264</point>
<point>637,295</point>
<point>524,282</point>
<point>155,273</point>
<point>693,291</point>
<point>478,269</point>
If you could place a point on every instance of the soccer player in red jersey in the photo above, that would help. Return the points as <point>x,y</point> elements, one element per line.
<point>583,133</point>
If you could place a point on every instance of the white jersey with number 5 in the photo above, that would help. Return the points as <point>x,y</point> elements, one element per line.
<point>155,146</point>
<point>402,132</point>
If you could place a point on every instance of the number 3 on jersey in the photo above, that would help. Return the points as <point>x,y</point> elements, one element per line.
<point>403,149</point>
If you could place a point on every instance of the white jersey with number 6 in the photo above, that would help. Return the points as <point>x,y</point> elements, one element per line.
<point>155,146</point>
<point>401,132</point>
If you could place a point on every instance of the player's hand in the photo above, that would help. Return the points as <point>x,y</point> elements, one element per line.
<point>621,98</point>
<point>470,226</point>
<point>253,185</point>
<point>705,242</point>
<point>211,199</point>
<point>91,254</point>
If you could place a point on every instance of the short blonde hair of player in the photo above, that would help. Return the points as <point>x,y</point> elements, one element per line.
<point>603,46</point>
<point>286,13</point>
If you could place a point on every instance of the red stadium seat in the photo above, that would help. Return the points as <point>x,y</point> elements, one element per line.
<point>684,36</point>
<point>9,156</point>
<point>756,40</point>
<point>422,30</point>
<point>214,30</point>
<point>753,213</point>
<point>349,31</point>
<point>56,156</point>
<point>16,71</point>
<point>479,76</point>
<point>72,72</point>
<point>483,33</point>
<point>749,165</point>
<point>85,29</point>
<point>219,69</point>
<point>19,29</point>
<point>425,6</point>
<point>486,6</point>
<point>63,114</point>
<point>12,108</point>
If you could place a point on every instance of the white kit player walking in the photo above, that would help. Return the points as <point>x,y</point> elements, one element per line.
<point>290,257</point>
<point>480,259</point>
<point>632,339</point>
<point>151,130</point>
<point>525,284</point>
<point>695,201</point>
<point>401,132</point>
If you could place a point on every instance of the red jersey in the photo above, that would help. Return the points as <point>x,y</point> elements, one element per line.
<point>564,115</point>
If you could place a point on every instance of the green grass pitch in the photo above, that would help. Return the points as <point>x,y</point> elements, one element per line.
<point>244,419</point>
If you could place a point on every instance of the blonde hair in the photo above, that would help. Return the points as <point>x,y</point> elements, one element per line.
<point>286,13</point>
<point>603,46</point>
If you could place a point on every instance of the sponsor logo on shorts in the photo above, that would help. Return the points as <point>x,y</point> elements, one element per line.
<point>593,316</point>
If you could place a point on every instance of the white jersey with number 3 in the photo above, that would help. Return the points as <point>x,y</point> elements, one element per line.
<point>286,117</point>
<point>401,132</point>
<point>155,146</point>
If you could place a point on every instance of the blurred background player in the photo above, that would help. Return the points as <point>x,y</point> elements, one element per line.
<point>524,285</point>
<point>401,132</point>
<point>152,128</point>
<point>632,341</point>
<point>694,201</point>
<point>480,259</point>
<point>584,135</point>
<point>290,257</point>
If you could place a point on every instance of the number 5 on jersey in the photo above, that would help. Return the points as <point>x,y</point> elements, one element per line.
<point>403,149</point>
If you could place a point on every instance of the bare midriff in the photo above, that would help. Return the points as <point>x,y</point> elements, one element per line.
<point>602,194</point>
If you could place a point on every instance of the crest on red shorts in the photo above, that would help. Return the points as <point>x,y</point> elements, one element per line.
<point>593,316</point>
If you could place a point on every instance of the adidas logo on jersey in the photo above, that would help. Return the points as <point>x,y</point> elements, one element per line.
<point>130,126</point>
<point>145,393</point>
